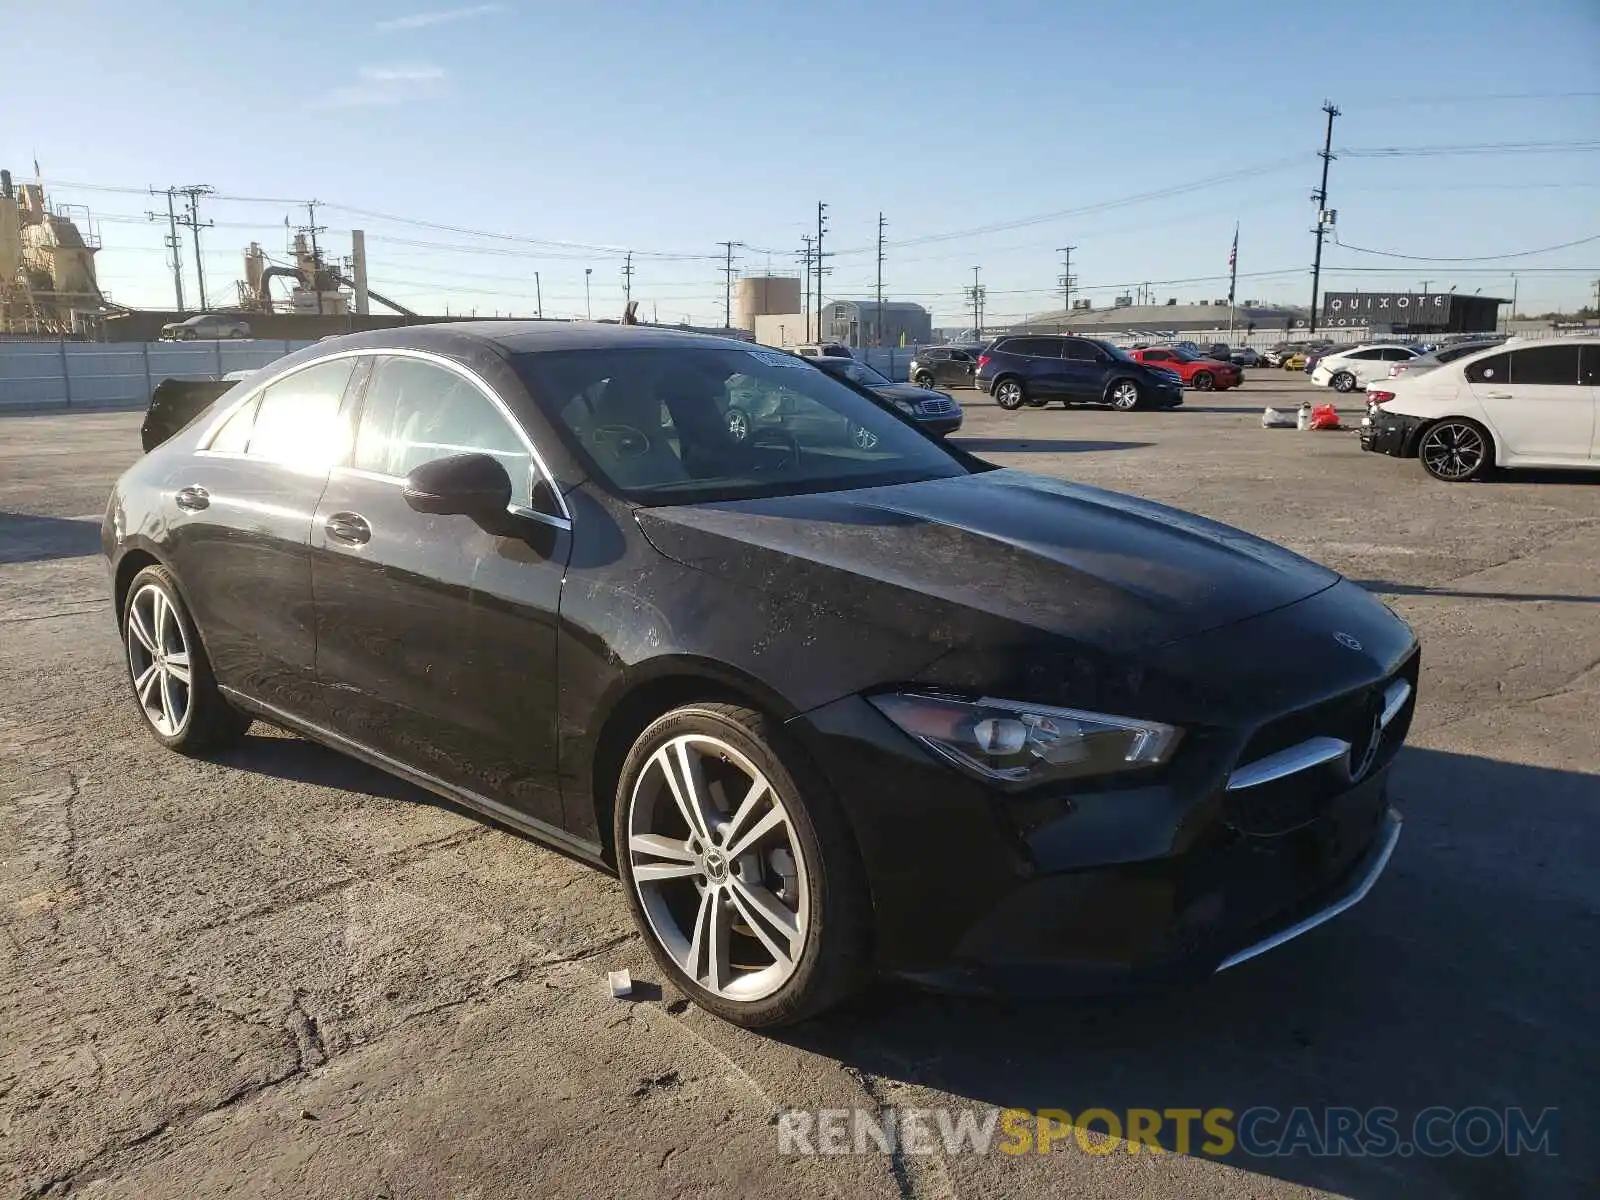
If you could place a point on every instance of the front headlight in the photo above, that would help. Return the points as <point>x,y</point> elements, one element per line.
<point>1019,745</point>
<point>905,407</point>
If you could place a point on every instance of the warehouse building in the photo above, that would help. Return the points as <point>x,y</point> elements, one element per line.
<point>1411,312</point>
<point>860,325</point>
<point>1161,319</point>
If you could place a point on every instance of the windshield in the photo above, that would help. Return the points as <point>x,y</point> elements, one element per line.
<point>688,424</point>
<point>858,372</point>
<point>1116,352</point>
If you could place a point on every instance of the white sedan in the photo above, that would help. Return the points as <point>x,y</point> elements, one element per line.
<point>1350,369</point>
<point>1528,404</point>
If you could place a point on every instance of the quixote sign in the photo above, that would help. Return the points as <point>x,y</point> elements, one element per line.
<point>1400,308</point>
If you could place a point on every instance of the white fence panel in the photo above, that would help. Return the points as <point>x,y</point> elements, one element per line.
<point>43,375</point>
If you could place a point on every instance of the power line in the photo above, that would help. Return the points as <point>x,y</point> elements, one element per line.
<point>1475,258</point>
<point>1578,147</point>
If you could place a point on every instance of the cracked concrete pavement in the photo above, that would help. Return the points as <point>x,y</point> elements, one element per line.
<point>284,973</point>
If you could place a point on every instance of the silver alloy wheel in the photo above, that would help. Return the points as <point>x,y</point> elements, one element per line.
<point>158,660</point>
<point>1008,394</point>
<point>1453,450</point>
<point>718,869</point>
<point>1344,382</point>
<point>738,424</point>
<point>923,381</point>
<point>1125,395</point>
<point>864,438</point>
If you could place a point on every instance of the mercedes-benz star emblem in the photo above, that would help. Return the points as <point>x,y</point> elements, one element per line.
<point>1345,640</point>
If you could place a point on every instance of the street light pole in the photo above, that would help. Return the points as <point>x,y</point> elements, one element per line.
<point>588,309</point>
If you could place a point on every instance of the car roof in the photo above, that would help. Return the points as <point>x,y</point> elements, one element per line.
<point>528,337</point>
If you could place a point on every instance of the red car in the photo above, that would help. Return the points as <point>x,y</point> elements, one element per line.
<point>1202,374</point>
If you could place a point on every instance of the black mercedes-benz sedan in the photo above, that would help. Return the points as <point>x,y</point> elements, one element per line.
<point>830,707</point>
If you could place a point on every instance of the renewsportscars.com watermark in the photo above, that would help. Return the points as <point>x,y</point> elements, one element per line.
<point>1261,1132</point>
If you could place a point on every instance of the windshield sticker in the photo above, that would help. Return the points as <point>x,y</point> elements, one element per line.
<point>773,359</point>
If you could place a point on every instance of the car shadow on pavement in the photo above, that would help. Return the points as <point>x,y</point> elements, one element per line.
<point>1466,978</point>
<point>1018,445</point>
<point>1391,588</point>
<point>293,759</point>
<point>28,538</point>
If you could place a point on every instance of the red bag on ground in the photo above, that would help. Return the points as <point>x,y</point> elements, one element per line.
<point>1324,416</point>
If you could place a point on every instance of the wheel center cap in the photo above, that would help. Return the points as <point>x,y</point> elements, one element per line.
<point>716,866</point>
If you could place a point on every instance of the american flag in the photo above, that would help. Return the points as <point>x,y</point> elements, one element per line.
<point>1233,255</point>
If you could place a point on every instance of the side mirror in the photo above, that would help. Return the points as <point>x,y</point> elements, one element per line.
<point>468,485</point>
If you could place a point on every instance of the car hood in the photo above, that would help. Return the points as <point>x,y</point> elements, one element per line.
<point>907,391</point>
<point>945,559</point>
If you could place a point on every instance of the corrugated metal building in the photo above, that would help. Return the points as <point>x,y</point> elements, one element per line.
<point>1161,318</point>
<point>857,323</point>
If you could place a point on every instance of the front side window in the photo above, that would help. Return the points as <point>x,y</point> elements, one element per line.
<point>417,411</point>
<point>1080,351</point>
<point>1546,365</point>
<point>683,424</point>
<point>297,417</point>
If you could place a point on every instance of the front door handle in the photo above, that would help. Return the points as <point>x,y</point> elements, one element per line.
<point>1499,395</point>
<point>192,498</point>
<point>349,528</point>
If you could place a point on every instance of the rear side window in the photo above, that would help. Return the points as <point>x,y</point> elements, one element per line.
<point>1035,347</point>
<point>936,355</point>
<point>1395,354</point>
<point>417,411</point>
<point>1548,365</point>
<point>1494,369</point>
<point>297,418</point>
<point>234,436</point>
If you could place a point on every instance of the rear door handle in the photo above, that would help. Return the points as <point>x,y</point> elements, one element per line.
<point>349,528</point>
<point>192,498</point>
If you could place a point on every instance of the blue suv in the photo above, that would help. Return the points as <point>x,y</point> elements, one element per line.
<point>1074,370</point>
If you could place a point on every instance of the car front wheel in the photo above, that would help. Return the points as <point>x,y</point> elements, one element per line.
<point>1344,382</point>
<point>168,669</point>
<point>1202,381</point>
<point>923,380</point>
<point>1125,395</point>
<point>739,869</point>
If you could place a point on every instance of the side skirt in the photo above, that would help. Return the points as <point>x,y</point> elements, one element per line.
<point>589,852</point>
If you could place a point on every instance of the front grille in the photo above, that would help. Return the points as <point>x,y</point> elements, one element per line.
<point>1282,805</point>
<point>935,408</point>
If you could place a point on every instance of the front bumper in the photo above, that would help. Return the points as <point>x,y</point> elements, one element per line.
<point>1122,886</point>
<point>941,426</point>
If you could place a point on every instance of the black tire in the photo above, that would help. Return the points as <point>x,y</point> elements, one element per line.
<point>1344,382</point>
<point>1125,395</point>
<point>1203,381</point>
<point>1456,450</point>
<point>208,722</point>
<point>1009,393</point>
<point>923,380</point>
<point>835,956</point>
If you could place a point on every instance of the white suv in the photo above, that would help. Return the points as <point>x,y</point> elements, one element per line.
<point>1528,404</point>
<point>1349,369</point>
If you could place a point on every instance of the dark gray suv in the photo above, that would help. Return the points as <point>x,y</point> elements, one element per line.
<point>1074,370</point>
<point>944,366</point>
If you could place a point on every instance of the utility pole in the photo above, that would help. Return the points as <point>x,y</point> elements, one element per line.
<point>805,273</point>
<point>881,224</point>
<point>312,229</point>
<point>538,297</point>
<point>1324,216</point>
<point>727,282</point>
<point>1066,281</point>
<point>191,218</point>
<point>172,243</point>
<point>821,228</point>
<point>975,295</point>
<point>627,280</point>
<point>588,309</point>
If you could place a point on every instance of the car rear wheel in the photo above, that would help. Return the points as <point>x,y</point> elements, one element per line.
<point>1456,450</point>
<point>1125,395</point>
<point>168,669</point>
<point>1344,382</point>
<point>739,868</point>
<point>923,380</point>
<point>1202,381</point>
<point>1009,394</point>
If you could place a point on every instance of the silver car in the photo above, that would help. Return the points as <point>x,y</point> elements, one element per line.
<point>205,327</point>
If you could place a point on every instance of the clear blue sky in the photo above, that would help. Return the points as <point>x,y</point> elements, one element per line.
<point>668,128</point>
